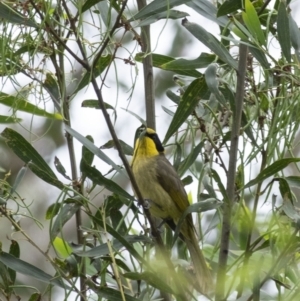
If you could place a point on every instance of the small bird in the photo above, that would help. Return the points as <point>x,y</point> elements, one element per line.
<point>159,182</point>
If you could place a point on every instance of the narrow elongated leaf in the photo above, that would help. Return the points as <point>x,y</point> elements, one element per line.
<point>155,7</point>
<point>260,56</point>
<point>293,181</point>
<point>9,119</point>
<point>291,211</point>
<point>285,189</point>
<point>252,22</point>
<point>19,104</point>
<point>65,214</point>
<point>103,249</point>
<point>170,14</point>
<point>294,34</point>
<point>182,64</point>
<point>97,178</point>
<point>10,15</point>
<point>14,250</point>
<point>95,150</point>
<point>62,247</point>
<point>195,91</point>
<point>217,178</point>
<point>88,4</point>
<point>161,61</point>
<point>174,97</point>
<point>213,83</point>
<point>101,66</point>
<point>86,155</point>
<point>27,269</point>
<point>25,151</point>
<point>210,41</point>
<point>229,7</point>
<point>127,149</point>
<point>94,103</point>
<point>283,30</point>
<point>271,170</point>
<point>190,159</point>
<point>207,9</point>
<point>42,174</point>
<point>51,86</point>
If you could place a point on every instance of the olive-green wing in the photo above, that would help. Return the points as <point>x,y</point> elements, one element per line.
<point>171,183</point>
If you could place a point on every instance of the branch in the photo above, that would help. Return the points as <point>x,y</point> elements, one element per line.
<point>148,72</point>
<point>235,132</point>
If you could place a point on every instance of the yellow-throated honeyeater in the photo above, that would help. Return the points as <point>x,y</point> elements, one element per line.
<point>159,182</point>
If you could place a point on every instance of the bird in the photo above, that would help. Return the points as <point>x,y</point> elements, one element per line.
<point>159,182</point>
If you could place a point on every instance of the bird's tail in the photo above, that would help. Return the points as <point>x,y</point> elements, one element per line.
<point>204,283</point>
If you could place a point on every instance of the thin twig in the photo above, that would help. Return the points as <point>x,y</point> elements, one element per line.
<point>235,132</point>
<point>148,72</point>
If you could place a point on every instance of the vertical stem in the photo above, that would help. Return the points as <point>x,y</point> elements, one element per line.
<point>148,72</point>
<point>235,132</point>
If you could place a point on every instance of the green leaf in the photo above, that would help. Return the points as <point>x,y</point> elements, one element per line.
<point>174,97</point>
<point>161,61</point>
<point>42,174</point>
<point>283,30</point>
<point>60,168</point>
<point>211,42</point>
<point>293,181</point>
<point>191,97</point>
<point>14,250</point>
<point>51,86</point>
<point>271,170</point>
<point>9,119</point>
<point>62,247</point>
<point>97,178</point>
<point>285,190</point>
<point>103,248</point>
<point>86,155</point>
<point>6,282</point>
<point>19,104</point>
<point>252,22</point>
<point>182,64</point>
<point>35,297</point>
<point>65,214</point>
<point>217,178</point>
<point>294,34</point>
<point>88,4</point>
<point>208,10</point>
<point>95,150</point>
<point>170,14</point>
<point>155,7</point>
<point>52,210</point>
<point>213,83</point>
<point>25,151</point>
<point>127,149</point>
<point>27,269</point>
<point>291,211</point>
<point>229,7</point>
<point>190,159</point>
<point>260,56</point>
<point>94,103</point>
<point>12,16</point>
<point>103,62</point>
